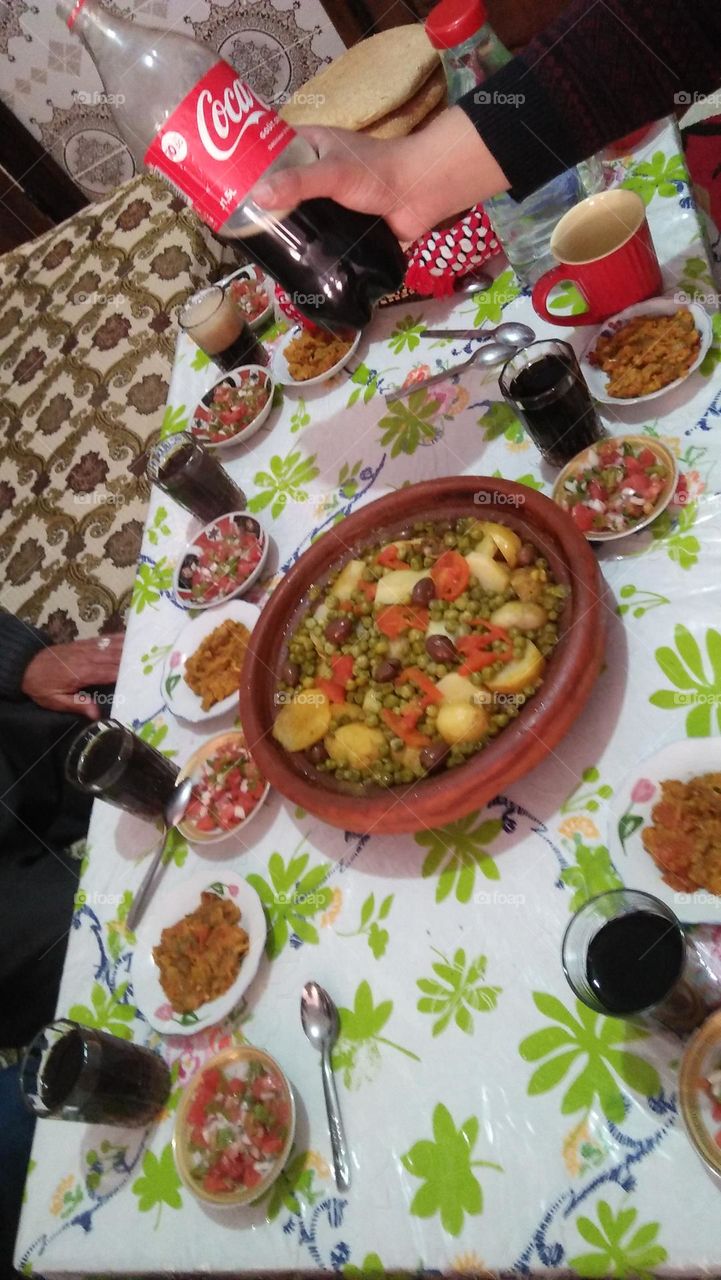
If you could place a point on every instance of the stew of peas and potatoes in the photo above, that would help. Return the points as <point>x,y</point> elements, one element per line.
<point>418,652</point>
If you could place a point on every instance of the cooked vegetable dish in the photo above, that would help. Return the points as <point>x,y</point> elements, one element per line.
<point>238,1125</point>
<point>200,956</point>
<point>313,352</point>
<point>220,560</point>
<point>684,839</point>
<point>227,789</point>
<point>213,671</point>
<point>646,353</point>
<point>418,652</point>
<point>614,485</point>
<point>231,409</point>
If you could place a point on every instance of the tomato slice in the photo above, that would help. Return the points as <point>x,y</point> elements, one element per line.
<point>414,675</point>
<point>582,517</point>
<point>333,691</point>
<point>451,575</point>
<point>389,557</point>
<point>368,588</point>
<point>394,619</point>
<point>403,726</point>
<point>342,667</point>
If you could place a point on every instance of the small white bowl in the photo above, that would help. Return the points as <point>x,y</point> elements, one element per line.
<point>208,749</point>
<point>598,380</point>
<point>282,373</point>
<point>183,596</point>
<point>702,1055</point>
<point>176,692</point>
<point>251,272</point>
<point>648,442</point>
<point>252,373</point>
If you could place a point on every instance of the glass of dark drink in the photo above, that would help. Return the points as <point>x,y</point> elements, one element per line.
<point>111,762</point>
<point>215,324</point>
<point>626,955</point>
<point>71,1072</point>
<point>189,474</point>
<point>546,388</point>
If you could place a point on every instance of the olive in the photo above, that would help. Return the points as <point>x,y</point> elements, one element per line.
<point>290,673</point>
<point>527,554</point>
<point>338,631</point>
<point>386,670</point>
<point>423,592</point>
<point>317,754</point>
<point>441,649</point>
<point>433,757</point>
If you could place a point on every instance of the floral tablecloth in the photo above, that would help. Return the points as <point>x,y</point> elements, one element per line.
<point>494,1123</point>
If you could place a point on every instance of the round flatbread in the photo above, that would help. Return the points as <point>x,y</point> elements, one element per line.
<point>367,82</point>
<point>405,118</point>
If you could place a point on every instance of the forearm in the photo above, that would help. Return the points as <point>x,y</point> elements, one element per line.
<point>450,164</point>
<point>19,642</point>
<point>598,72</point>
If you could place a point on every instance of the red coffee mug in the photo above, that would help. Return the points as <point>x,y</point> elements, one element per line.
<point>603,247</point>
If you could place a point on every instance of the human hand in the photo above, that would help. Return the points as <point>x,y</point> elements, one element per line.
<point>54,677</point>
<point>412,182</point>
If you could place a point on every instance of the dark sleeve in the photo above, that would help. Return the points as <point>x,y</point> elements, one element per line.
<point>19,642</point>
<point>597,73</point>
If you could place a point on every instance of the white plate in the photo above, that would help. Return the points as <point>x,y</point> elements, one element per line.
<point>166,909</point>
<point>184,599</point>
<point>251,272</point>
<point>665,497</point>
<point>176,693</point>
<point>281,372</point>
<point>597,380</point>
<point>236,378</point>
<point>630,812</point>
<point>193,768</point>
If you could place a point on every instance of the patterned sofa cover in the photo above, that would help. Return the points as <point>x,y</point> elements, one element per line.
<point>87,334</point>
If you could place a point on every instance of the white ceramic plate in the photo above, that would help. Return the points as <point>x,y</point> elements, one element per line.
<point>177,694</point>
<point>247,373</point>
<point>251,272</point>
<point>641,442</point>
<point>282,373</point>
<point>166,909</point>
<point>233,737</point>
<point>630,812</point>
<point>190,553</point>
<point>699,1111</point>
<point>597,380</point>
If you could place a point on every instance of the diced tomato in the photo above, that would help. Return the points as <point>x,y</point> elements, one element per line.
<point>263,1084</point>
<point>279,1110</point>
<point>272,1144</point>
<point>394,619</point>
<point>224,812</point>
<point>342,667</point>
<point>647,458</point>
<point>211,1080</point>
<point>196,1112</point>
<point>640,483</point>
<point>215,1183</point>
<point>333,691</point>
<point>451,575</point>
<point>236,1087</point>
<point>414,675</point>
<point>597,491</point>
<point>478,652</point>
<point>251,1175</point>
<point>582,517</point>
<point>389,557</point>
<point>368,588</point>
<point>403,726</point>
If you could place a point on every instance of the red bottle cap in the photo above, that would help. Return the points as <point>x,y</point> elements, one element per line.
<point>453,21</point>
<point>72,16</point>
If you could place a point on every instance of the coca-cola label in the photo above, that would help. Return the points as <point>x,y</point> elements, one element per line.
<point>217,143</point>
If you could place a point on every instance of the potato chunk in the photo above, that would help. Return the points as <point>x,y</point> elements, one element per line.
<point>528,583</point>
<point>493,575</point>
<point>508,542</point>
<point>347,581</point>
<point>523,614</point>
<point>356,746</point>
<point>303,721</point>
<point>462,722</point>
<point>455,688</point>
<point>519,673</point>
<point>396,587</point>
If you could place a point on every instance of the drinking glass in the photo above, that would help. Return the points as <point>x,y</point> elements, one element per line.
<point>217,326</point>
<point>189,474</point>
<point>626,955</point>
<point>544,385</point>
<point>71,1072</point>
<point>111,762</point>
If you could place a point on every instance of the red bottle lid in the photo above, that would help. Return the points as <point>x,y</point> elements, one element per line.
<point>453,21</point>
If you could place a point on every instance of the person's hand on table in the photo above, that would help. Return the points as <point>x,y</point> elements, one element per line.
<point>412,182</point>
<point>57,674</point>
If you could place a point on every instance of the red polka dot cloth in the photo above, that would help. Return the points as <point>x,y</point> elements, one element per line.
<point>437,260</point>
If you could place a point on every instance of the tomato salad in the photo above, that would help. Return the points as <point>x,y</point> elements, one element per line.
<point>237,1126</point>
<point>221,560</point>
<point>227,789</point>
<point>614,485</point>
<point>231,409</point>
<point>250,297</point>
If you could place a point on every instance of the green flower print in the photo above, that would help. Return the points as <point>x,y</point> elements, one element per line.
<point>685,668</point>
<point>360,1036</point>
<point>586,796</point>
<point>371,1269</point>
<point>657,176</point>
<point>348,480</point>
<point>150,582</point>
<point>176,849</point>
<point>695,279</point>
<point>529,480</point>
<point>637,602</point>
<point>406,335</point>
<point>500,420</point>
<point>159,1184</point>
<point>409,424</point>
<point>284,482</point>
<point>291,895</point>
<point>612,1255</point>
<point>300,417</point>
<point>461,846</point>
<point>365,385</point>
<point>713,355</point>
<point>107,1013</point>
<point>119,937</point>
<point>566,298</point>
<point>490,302</point>
<point>155,733</point>
<point>593,873</point>
<point>450,1186</point>
<point>294,1187</point>
<point>156,654</point>
<point>600,1042</point>
<point>200,360</point>
<point>457,993</point>
<point>173,420</point>
<point>376,937</point>
<point>159,528</point>
<point>682,547</point>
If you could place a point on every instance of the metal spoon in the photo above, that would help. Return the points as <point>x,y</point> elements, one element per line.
<point>319,1017</point>
<point>512,332</point>
<point>174,813</point>
<point>486,356</point>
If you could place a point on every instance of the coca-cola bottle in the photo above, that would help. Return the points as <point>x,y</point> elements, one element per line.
<point>186,114</point>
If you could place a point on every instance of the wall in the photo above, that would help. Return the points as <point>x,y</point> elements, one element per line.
<point>50,83</point>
